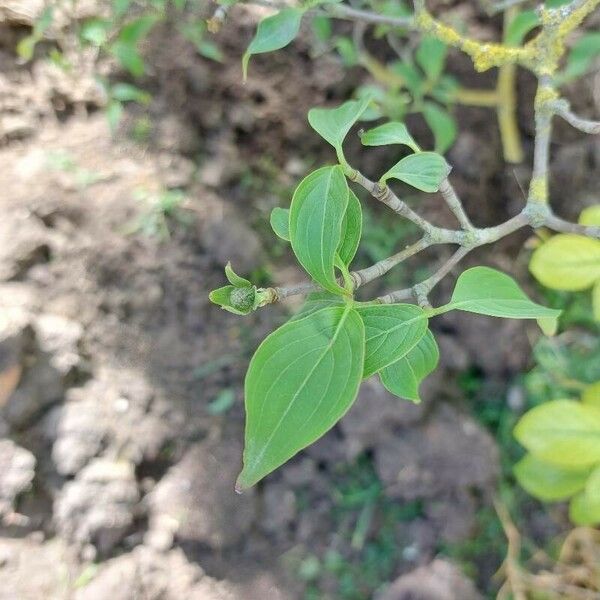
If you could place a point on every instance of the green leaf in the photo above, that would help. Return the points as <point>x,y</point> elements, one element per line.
<point>351,229</point>
<point>222,403</point>
<point>125,92</point>
<point>43,22</point>
<point>584,511</point>
<point>317,301</point>
<point>347,50</point>
<point>387,134</point>
<point>404,377</point>
<point>486,291</point>
<point>391,331</point>
<point>273,33</point>
<point>442,124</point>
<point>350,233</point>
<point>548,482</point>
<point>280,222</point>
<point>424,171</point>
<point>235,279</point>
<point>333,124</point>
<point>567,262</point>
<point>120,7</point>
<point>562,432</point>
<point>129,58</point>
<point>26,47</point>
<point>520,26</point>
<point>135,30</point>
<point>301,381</point>
<point>412,77</point>
<point>431,57</point>
<point>596,300</point>
<point>114,112</point>
<point>321,27</point>
<point>95,31</point>
<point>580,58</point>
<point>316,214</point>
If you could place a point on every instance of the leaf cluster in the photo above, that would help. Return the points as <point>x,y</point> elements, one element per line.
<point>305,376</point>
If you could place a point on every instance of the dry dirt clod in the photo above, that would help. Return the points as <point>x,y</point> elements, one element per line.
<point>17,469</point>
<point>98,506</point>
<point>147,574</point>
<point>196,496</point>
<point>440,580</point>
<point>450,451</point>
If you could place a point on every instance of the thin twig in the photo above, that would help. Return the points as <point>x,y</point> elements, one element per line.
<point>421,290</point>
<point>562,109</point>
<point>557,224</point>
<point>454,203</point>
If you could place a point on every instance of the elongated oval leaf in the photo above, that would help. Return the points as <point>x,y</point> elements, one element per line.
<point>234,278</point>
<point>273,33</point>
<point>392,331</point>
<point>596,300</point>
<point>388,134</point>
<point>549,482</point>
<point>316,214</point>
<point>567,262</point>
<point>442,125</point>
<point>520,26</point>
<point>280,222</point>
<point>562,432</point>
<point>404,377</point>
<point>424,171</point>
<point>351,229</point>
<point>489,292</point>
<point>333,124</point>
<point>301,381</point>
<point>431,57</point>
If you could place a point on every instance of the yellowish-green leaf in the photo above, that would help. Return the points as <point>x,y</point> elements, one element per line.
<point>567,262</point>
<point>549,482</point>
<point>301,381</point>
<point>584,511</point>
<point>591,394</point>
<point>562,432</point>
<point>590,215</point>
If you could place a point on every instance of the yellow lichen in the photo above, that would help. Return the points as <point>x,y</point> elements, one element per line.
<point>484,55</point>
<point>545,94</point>
<point>574,20</point>
<point>538,190</point>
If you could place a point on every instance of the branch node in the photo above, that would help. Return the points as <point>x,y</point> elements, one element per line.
<point>537,213</point>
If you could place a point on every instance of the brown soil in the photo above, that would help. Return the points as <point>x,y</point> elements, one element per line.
<point>110,354</point>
